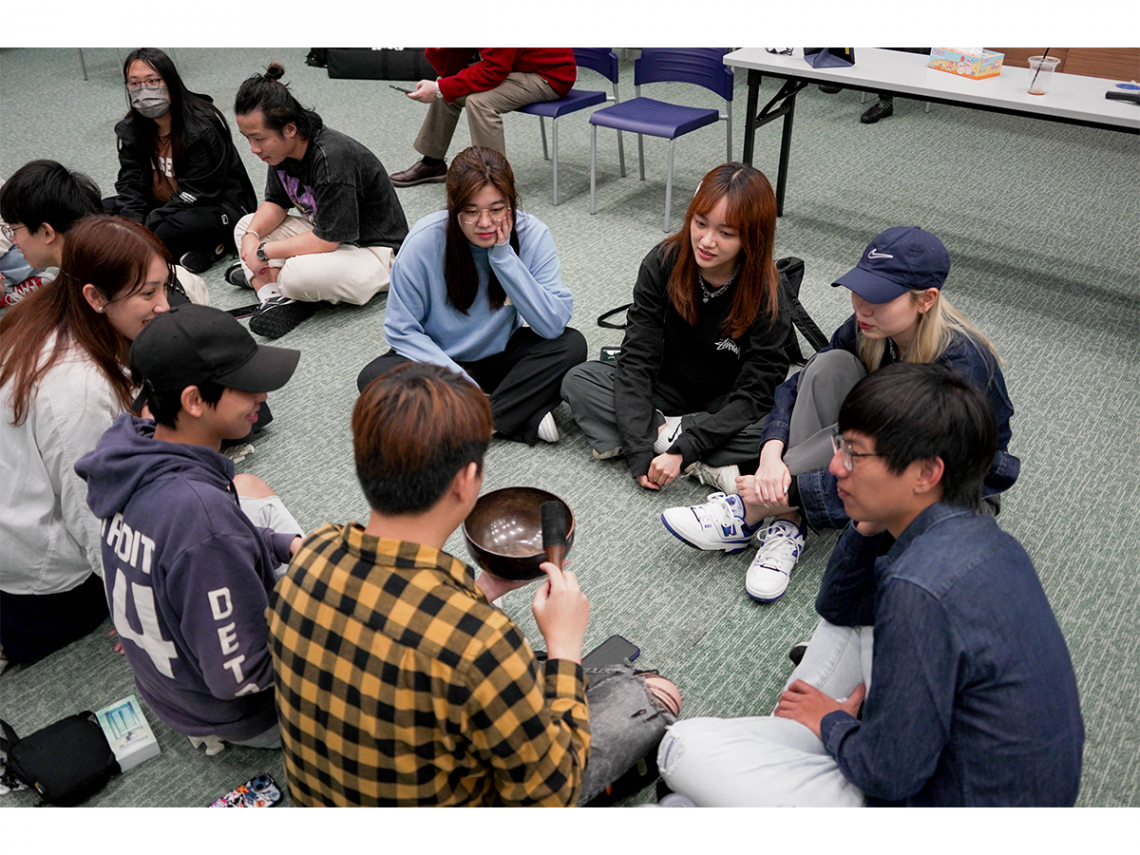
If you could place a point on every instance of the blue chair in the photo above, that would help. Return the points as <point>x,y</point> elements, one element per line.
<point>700,66</point>
<point>605,62</point>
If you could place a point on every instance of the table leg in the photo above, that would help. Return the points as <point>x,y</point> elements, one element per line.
<point>785,152</point>
<point>750,115</point>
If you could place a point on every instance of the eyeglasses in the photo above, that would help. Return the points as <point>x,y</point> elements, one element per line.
<point>470,216</point>
<point>840,445</point>
<point>10,231</point>
<point>150,81</point>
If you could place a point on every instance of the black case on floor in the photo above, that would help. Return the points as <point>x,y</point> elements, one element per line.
<point>65,762</point>
<point>379,64</point>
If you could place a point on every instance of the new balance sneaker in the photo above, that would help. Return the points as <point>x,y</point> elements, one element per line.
<point>668,434</point>
<point>722,478</point>
<point>277,315</point>
<point>717,524</point>
<point>771,569</point>
<point>236,276</point>
<point>19,292</point>
<point>547,429</point>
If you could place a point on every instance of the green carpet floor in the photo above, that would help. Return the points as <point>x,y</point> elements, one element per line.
<point>1040,220</point>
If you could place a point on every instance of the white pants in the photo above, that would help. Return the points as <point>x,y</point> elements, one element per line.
<point>349,274</point>
<point>194,285</point>
<point>769,761</point>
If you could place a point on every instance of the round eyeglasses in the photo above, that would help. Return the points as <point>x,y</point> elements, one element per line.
<point>497,213</point>
<point>843,447</point>
<point>10,231</point>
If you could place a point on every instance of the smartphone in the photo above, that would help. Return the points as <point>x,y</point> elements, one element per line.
<point>401,89</point>
<point>260,791</point>
<point>613,651</point>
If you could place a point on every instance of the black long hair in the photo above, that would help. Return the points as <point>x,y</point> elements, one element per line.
<point>186,108</point>
<point>266,92</point>
<point>471,170</point>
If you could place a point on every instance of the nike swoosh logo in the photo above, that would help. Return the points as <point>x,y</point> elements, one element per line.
<point>874,253</point>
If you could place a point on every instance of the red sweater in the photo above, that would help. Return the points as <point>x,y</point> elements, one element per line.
<point>459,77</point>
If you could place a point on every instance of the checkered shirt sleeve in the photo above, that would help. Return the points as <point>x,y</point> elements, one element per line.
<point>398,684</point>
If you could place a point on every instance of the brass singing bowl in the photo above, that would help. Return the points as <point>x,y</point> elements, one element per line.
<point>503,532</point>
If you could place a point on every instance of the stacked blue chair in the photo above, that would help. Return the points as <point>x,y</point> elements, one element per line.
<point>700,66</point>
<point>605,62</point>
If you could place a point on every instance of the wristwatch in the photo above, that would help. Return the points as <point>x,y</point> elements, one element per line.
<point>261,252</point>
<point>438,91</point>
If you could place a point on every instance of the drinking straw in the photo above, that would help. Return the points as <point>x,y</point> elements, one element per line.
<point>1044,56</point>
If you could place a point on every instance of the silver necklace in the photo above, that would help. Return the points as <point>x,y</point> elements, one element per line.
<point>708,292</point>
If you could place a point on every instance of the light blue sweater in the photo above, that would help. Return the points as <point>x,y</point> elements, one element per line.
<point>422,325</point>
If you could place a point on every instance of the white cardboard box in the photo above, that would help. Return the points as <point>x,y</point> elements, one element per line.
<point>127,732</point>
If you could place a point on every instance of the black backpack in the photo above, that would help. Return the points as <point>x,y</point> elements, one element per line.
<point>791,273</point>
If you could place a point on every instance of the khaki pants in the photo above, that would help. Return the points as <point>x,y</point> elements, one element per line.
<point>484,114</point>
<point>349,274</point>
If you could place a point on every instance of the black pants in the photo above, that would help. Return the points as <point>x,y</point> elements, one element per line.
<point>187,228</point>
<point>522,382</point>
<point>34,625</point>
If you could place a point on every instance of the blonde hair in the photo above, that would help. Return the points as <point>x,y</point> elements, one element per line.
<point>937,327</point>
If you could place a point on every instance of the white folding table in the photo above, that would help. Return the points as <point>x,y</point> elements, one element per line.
<point>1070,98</point>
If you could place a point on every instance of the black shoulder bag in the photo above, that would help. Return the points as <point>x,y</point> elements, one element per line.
<point>65,762</point>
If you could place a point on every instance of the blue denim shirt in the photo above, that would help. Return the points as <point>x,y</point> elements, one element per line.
<point>821,503</point>
<point>973,700</point>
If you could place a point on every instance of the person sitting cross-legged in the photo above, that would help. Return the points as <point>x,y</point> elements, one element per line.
<point>937,674</point>
<point>340,247</point>
<point>191,551</point>
<point>398,682</point>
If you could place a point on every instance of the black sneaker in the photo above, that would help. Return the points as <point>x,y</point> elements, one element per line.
<point>878,110</point>
<point>829,88</point>
<point>236,276</point>
<point>201,260</point>
<point>796,654</point>
<point>278,315</point>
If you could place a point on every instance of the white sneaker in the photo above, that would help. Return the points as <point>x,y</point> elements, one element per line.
<point>669,433</point>
<point>717,524</point>
<point>722,478</point>
<point>771,569</point>
<point>547,429</point>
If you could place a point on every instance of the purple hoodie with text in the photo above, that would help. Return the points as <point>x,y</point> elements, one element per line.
<point>188,578</point>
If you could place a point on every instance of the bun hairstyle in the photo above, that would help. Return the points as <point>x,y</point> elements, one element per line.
<point>266,92</point>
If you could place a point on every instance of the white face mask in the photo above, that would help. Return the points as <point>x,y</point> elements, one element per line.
<point>150,101</point>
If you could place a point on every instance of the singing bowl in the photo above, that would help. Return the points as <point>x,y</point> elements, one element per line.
<point>503,532</point>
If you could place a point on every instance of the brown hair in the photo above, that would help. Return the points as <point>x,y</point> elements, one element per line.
<point>471,170</point>
<point>113,254</point>
<point>413,429</point>
<point>751,209</point>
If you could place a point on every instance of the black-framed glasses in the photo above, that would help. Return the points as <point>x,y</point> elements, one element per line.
<point>843,447</point>
<point>10,232</point>
<point>150,81</point>
<point>470,216</point>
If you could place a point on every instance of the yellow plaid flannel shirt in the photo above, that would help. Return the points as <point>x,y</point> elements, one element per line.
<point>399,684</point>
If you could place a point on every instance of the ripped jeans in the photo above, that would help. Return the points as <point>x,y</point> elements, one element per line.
<point>626,723</point>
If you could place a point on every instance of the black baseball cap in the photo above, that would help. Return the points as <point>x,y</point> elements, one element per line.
<point>190,344</point>
<point>901,259</point>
